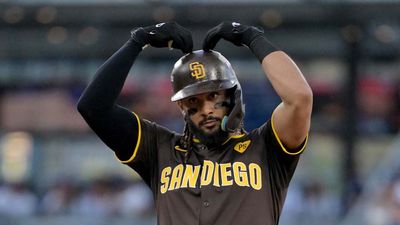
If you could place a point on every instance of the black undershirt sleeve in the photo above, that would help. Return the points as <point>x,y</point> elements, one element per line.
<point>116,126</point>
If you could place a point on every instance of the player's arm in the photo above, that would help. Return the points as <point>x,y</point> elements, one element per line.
<point>291,119</point>
<point>115,125</point>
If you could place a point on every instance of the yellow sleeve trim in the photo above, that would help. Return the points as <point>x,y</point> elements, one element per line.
<point>137,143</point>
<point>280,143</point>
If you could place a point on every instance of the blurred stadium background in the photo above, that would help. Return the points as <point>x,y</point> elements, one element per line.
<point>53,170</point>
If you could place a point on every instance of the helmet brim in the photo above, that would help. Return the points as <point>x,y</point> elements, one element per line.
<point>203,87</point>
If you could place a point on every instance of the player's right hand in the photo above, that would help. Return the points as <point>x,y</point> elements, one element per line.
<point>169,34</point>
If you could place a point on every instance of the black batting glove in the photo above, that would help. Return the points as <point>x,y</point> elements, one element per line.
<point>239,35</point>
<point>162,35</point>
<point>233,32</point>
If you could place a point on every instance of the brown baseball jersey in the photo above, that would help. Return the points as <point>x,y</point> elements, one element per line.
<point>243,181</point>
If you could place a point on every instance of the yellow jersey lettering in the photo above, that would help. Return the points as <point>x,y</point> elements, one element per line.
<point>190,176</point>
<point>212,173</point>
<point>176,177</point>
<point>255,176</point>
<point>216,175</point>
<point>165,179</point>
<point>226,174</point>
<point>206,173</point>
<point>240,174</point>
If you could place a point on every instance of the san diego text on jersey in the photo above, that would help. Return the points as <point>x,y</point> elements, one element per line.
<point>211,173</point>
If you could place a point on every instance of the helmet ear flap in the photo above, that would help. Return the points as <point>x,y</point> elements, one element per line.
<point>231,122</point>
<point>184,112</point>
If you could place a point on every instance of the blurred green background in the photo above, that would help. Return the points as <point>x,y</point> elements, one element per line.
<point>54,170</point>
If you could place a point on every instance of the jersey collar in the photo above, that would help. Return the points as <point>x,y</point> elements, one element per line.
<point>196,140</point>
<point>233,137</point>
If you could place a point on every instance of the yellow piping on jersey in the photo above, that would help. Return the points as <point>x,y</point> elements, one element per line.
<point>137,142</point>
<point>280,143</point>
<point>196,140</point>
<point>180,149</point>
<point>233,137</point>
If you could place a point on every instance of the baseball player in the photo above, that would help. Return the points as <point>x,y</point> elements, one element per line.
<point>215,173</point>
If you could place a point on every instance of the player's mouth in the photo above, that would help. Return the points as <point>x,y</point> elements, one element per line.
<point>209,123</point>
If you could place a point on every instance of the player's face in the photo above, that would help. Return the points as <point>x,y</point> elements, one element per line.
<point>206,110</point>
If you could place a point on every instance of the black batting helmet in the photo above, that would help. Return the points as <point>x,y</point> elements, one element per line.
<point>206,71</point>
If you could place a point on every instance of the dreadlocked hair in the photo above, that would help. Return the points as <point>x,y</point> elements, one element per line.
<point>186,141</point>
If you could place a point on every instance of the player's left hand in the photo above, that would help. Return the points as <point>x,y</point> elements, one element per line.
<point>234,32</point>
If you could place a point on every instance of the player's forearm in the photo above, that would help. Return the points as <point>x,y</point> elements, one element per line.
<point>287,79</point>
<point>282,72</point>
<point>103,90</point>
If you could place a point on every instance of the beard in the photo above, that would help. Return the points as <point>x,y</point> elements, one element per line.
<point>210,139</point>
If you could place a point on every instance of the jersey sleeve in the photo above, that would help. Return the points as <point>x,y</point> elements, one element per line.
<point>143,155</point>
<point>282,161</point>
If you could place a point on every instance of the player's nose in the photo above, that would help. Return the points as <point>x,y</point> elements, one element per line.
<point>207,108</point>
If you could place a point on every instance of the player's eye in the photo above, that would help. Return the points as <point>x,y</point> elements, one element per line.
<point>192,111</point>
<point>213,95</point>
<point>192,101</point>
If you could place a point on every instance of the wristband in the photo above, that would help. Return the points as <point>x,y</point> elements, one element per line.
<point>261,47</point>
